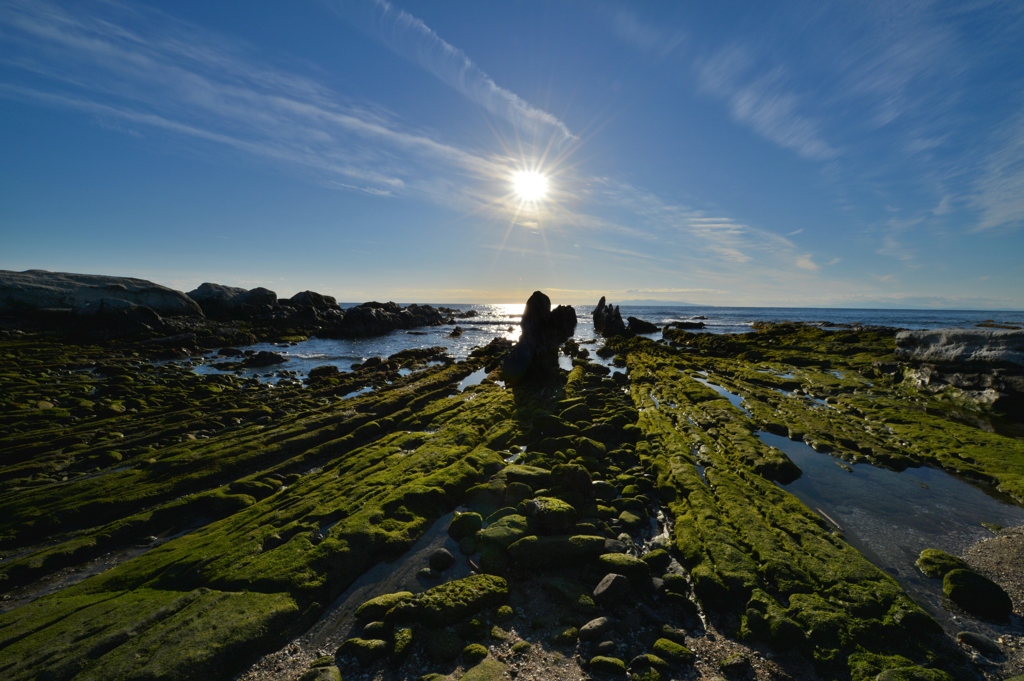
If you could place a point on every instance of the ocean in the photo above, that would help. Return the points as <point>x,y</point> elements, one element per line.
<point>502,321</point>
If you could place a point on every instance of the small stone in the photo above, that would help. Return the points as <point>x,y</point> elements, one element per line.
<point>979,642</point>
<point>612,590</point>
<point>441,560</point>
<point>594,629</point>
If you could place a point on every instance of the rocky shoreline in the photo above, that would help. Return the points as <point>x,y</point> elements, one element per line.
<point>586,523</point>
<point>98,307</point>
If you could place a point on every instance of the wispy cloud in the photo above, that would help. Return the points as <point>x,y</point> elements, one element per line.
<point>1000,190</point>
<point>409,37</point>
<point>764,101</point>
<point>628,27</point>
<point>151,72</point>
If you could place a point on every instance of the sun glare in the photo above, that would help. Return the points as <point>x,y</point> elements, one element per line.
<point>530,185</point>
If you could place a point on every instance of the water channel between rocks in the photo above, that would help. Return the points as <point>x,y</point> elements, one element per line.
<point>890,517</point>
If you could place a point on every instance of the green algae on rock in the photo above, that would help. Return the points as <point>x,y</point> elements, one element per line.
<point>250,508</point>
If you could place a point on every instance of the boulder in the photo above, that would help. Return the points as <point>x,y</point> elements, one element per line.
<point>612,590</point>
<point>595,629</point>
<point>317,301</point>
<point>637,325</point>
<point>935,563</point>
<point>543,332</point>
<point>377,319</point>
<point>454,601</point>
<point>977,594</point>
<point>441,560</point>
<point>35,290</point>
<point>608,320</point>
<point>230,302</point>
<point>264,358</point>
<point>560,551</point>
<point>548,515</point>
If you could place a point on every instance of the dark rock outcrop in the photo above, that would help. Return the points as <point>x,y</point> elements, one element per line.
<point>317,301</point>
<point>377,319</point>
<point>36,290</point>
<point>543,331</point>
<point>230,302</point>
<point>637,325</point>
<point>608,320</point>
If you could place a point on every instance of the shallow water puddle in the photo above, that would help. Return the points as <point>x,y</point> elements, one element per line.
<point>473,379</point>
<point>734,399</point>
<point>890,517</point>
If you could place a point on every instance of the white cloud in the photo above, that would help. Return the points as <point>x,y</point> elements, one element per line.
<point>763,101</point>
<point>166,75</point>
<point>629,28</point>
<point>409,37</point>
<point>1000,191</point>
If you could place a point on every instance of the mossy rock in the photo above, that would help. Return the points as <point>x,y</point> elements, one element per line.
<point>675,653</point>
<point>540,552</point>
<point>485,498</point>
<point>362,650</point>
<point>520,647</point>
<point>326,673</point>
<point>517,492</point>
<point>454,601</point>
<point>977,594</point>
<point>567,636</point>
<point>375,608</point>
<point>637,571</point>
<point>648,660</point>
<point>610,666</point>
<point>442,645</point>
<point>658,560</point>
<point>548,515</point>
<point>631,522</point>
<point>465,525</point>
<point>935,563</point>
<point>487,670</point>
<point>474,653</point>
<point>504,613</point>
<point>402,642</point>
<point>533,476</point>
<point>503,532</point>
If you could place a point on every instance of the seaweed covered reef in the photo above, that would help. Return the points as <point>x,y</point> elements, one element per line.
<point>619,517</point>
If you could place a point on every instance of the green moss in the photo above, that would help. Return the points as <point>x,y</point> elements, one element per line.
<point>453,601</point>
<point>566,636</point>
<point>487,670</point>
<point>540,552</point>
<point>520,647</point>
<point>363,651</point>
<point>325,673</point>
<point>675,653</point>
<point>638,572</point>
<point>504,613</point>
<point>610,666</point>
<point>504,531</point>
<point>465,525</point>
<point>473,653</point>
<point>548,515</point>
<point>977,594</point>
<point>376,608</point>
<point>935,563</point>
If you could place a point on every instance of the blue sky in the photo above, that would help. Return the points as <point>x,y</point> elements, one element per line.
<point>800,154</point>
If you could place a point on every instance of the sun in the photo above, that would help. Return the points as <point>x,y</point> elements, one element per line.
<point>530,185</point>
